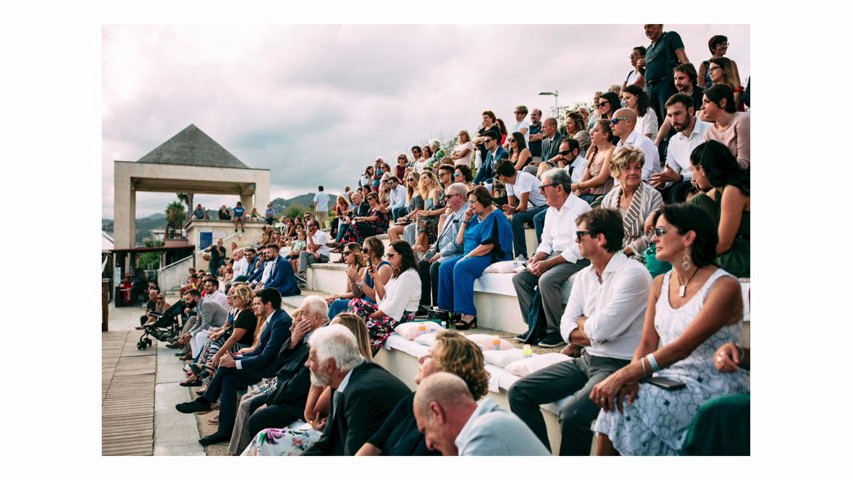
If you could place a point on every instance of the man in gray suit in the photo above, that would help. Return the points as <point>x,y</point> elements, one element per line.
<point>445,246</point>
<point>451,421</point>
<point>551,139</point>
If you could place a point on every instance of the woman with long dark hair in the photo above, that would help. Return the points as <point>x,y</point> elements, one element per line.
<point>727,202</point>
<point>638,100</point>
<point>519,154</point>
<point>398,300</point>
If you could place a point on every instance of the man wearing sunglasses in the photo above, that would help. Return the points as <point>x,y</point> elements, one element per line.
<point>603,322</point>
<point>622,124</point>
<point>494,154</point>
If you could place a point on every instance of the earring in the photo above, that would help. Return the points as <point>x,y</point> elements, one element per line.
<point>685,260</point>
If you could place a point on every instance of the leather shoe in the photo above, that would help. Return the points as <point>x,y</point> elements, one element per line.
<point>197,405</point>
<point>188,356</point>
<point>552,340</point>
<point>173,345</point>
<point>214,438</point>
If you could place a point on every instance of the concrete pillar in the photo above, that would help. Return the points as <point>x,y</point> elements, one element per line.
<point>121,208</point>
<point>246,200</point>
<point>262,194</point>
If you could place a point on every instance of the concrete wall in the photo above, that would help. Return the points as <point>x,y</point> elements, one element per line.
<point>171,277</point>
<point>131,177</point>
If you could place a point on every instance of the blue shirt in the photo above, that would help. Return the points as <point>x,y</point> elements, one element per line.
<point>238,212</point>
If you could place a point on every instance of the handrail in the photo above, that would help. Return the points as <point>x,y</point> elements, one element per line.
<point>175,263</point>
<point>104,265</point>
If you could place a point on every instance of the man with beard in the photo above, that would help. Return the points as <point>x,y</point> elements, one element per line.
<point>364,393</point>
<point>674,180</point>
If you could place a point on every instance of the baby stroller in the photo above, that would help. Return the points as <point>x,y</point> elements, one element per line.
<point>166,326</point>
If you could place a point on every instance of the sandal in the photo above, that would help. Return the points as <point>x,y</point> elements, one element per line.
<point>191,383</point>
<point>463,325</point>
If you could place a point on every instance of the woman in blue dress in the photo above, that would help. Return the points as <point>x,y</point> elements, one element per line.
<point>486,235</point>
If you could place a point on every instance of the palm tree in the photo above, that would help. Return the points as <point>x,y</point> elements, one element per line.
<point>185,197</point>
<point>175,216</point>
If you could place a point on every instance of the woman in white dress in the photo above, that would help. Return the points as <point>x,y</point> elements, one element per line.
<point>693,310</point>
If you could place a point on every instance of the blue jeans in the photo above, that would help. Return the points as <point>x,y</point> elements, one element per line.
<point>518,221</point>
<point>539,224</point>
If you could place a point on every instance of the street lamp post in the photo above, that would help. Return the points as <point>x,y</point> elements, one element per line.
<point>556,96</point>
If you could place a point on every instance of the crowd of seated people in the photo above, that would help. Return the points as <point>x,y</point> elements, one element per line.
<point>642,207</point>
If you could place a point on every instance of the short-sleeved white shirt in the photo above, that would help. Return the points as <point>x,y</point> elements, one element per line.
<point>526,183</point>
<point>322,199</point>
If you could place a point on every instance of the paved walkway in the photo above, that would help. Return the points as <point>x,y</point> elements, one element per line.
<point>138,398</point>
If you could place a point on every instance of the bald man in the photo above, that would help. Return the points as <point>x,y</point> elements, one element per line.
<point>623,123</point>
<point>451,421</point>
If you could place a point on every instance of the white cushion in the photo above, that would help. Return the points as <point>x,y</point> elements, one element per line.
<point>411,330</point>
<point>489,342</point>
<point>502,358</point>
<point>527,366</point>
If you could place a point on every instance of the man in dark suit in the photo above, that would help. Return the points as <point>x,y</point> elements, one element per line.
<point>235,373</point>
<point>286,403</point>
<point>281,276</point>
<point>364,393</point>
<point>494,154</point>
<point>551,140</point>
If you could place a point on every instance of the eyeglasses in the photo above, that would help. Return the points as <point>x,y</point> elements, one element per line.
<point>348,253</point>
<point>580,233</point>
<point>566,152</point>
<point>457,174</point>
<point>659,232</point>
<point>544,186</point>
<point>616,120</point>
<point>511,140</point>
<point>603,104</point>
<point>410,179</point>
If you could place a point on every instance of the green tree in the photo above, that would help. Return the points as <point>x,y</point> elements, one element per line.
<point>149,260</point>
<point>296,210</point>
<point>175,214</point>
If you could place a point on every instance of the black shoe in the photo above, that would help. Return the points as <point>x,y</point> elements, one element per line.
<point>182,353</point>
<point>197,405</point>
<point>521,337</point>
<point>214,438</point>
<point>173,345</point>
<point>301,277</point>
<point>552,340</point>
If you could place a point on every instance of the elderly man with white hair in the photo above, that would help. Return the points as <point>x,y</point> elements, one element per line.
<point>452,423</point>
<point>438,153</point>
<point>286,403</point>
<point>365,393</point>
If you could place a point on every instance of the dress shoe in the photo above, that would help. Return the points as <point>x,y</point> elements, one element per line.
<point>197,405</point>
<point>214,438</point>
<point>173,345</point>
<point>552,340</point>
<point>188,356</point>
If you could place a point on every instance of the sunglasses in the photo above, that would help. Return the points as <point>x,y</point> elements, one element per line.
<point>457,174</point>
<point>616,120</point>
<point>580,233</point>
<point>511,140</point>
<point>603,104</point>
<point>659,232</point>
<point>565,152</point>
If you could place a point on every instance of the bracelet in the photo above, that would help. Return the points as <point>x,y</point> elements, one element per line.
<point>653,364</point>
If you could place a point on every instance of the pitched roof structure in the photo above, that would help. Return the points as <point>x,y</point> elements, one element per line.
<point>192,147</point>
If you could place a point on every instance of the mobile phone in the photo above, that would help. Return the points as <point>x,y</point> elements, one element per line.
<point>664,383</point>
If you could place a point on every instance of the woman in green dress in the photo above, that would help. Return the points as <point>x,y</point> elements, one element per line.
<point>727,201</point>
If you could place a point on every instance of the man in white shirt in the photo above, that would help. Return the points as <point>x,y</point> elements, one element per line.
<point>674,180</point>
<point>315,251</point>
<point>452,422</point>
<point>623,123</point>
<point>398,198</point>
<point>321,205</point>
<point>525,201</point>
<point>604,320</point>
<point>569,157</point>
<point>556,257</point>
<point>241,263</point>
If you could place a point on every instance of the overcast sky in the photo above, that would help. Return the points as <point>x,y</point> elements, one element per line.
<point>316,104</point>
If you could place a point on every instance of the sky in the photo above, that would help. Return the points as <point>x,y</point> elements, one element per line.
<point>315,104</point>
